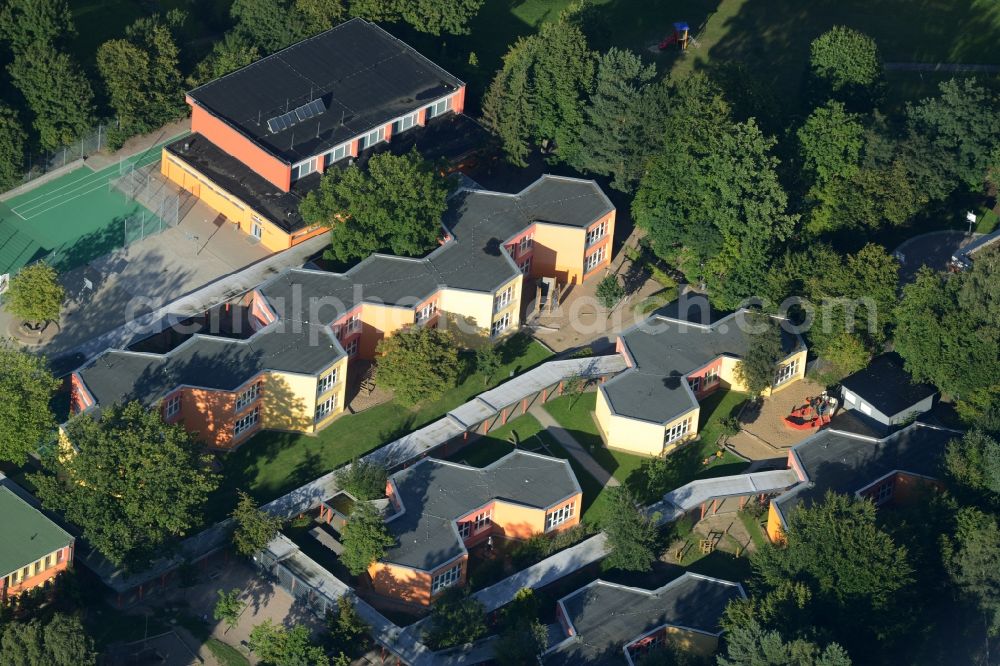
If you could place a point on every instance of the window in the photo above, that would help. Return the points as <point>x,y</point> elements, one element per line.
<point>324,408</point>
<point>597,233</point>
<point>646,645</point>
<point>248,396</point>
<point>849,397</point>
<point>426,312</point>
<point>501,324</point>
<point>405,123</point>
<point>49,561</point>
<point>525,244</point>
<point>59,556</point>
<point>695,383</point>
<point>502,300</point>
<point>247,421</point>
<point>337,154</point>
<point>525,266</point>
<point>883,493</point>
<point>446,579</point>
<point>483,520</point>
<point>38,567</point>
<point>465,529</point>
<point>352,347</point>
<point>786,372</point>
<point>436,109</point>
<point>370,139</point>
<point>593,260</point>
<point>326,382</point>
<point>711,378</point>
<point>865,408</point>
<point>352,324</point>
<point>678,431</point>
<point>172,407</point>
<point>303,169</point>
<point>558,517</point>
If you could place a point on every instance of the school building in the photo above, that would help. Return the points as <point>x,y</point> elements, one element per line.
<point>680,355</point>
<point>263,135</point>
<point>33,551</point>
<point>440,510</point>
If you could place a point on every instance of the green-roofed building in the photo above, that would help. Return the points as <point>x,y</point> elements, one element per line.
<point>33,549</point>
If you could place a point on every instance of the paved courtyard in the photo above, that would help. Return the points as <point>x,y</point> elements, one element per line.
<point>764,434</point>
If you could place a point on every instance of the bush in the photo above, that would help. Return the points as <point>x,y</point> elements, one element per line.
<point>364,480</point>
<point>610,291</point>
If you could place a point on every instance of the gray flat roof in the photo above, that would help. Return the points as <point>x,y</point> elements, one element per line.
<point>845,463</point>
<point>606,617</point>
<point>887,386</point>
<point>665,350</point>
<point>479,223</point>
<point>434,493</point>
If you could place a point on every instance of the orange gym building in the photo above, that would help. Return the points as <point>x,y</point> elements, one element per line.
<point>33,551</point>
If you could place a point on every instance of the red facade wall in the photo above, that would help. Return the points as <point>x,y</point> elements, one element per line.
<point>715,365</point>
<point>80,398</point>
<point>232,142</point>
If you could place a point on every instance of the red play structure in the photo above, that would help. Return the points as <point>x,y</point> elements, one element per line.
<point>680,37</point>
<point>816,413</point>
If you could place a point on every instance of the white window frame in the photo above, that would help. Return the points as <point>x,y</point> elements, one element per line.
<point>465,529</point>
<point>695,383</point>
<point>503,299</point>
<point>500,325</point>
<point>525,244</point>
<point>337,154</point>
<point>525,266</point>
<point>482,521</point>
<point>883,493</point>
<point>438,108</point>
<point>559,516</point>
<point>593,260</point>
<point>426,312</point>
<point>303,169</point>
<point>676,432</point>
<point>786,372</point>
<point>711,378</point>
<point>446,579</point>
<point>246,422</point>
<point>366,140</point>
<point>597,233</point>
<point>325,408</point>
<point>246,398</point>
<point>352,324</point>
<point>326,382</point>
<point>352,347</point>
<point>405,122</point>
<point>172,406</point>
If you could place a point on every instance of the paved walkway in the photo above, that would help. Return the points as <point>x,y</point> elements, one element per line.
<point>940,67</point>
<point>573,447</point>
<point>933,249</point>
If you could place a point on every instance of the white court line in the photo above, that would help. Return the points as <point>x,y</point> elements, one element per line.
<point>61,203</point>
<point>51,192</point>
<point>30,209</point>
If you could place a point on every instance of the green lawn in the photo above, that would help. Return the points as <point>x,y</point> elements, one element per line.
<point>273,463</point>
<point>490,448</point>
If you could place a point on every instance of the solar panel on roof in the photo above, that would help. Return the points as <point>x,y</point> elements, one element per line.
<point>275,125</point>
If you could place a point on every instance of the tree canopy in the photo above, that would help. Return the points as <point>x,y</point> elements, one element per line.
<point>750,644</point>
<point>847,66</point>
<point>394,205</point>
<point>26,419</point>
<point>430,16</point>
<point>272,25</point>
<point>971,557</point>
<point>131,482</point>
<point>418,363</point>
<point>973,462</point>
<point>632,536</point>
<point>363,479</point>
<point>456,619</point>
<point>26,22</point>
<point>12,143</point>
<point>35,294</point>
<point>61,641</point>
<point>255,528</point>
<point>365,538</point>
<point>279,646</point>
<point>757,368</point>
<point>536,97</point>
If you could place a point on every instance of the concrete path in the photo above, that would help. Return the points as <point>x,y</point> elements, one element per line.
<point>933,249</point>
<point>573,447</point>
<point>940,67</point>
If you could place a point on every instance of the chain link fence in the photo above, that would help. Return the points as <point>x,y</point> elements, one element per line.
<point>161,204</point>
<point>40,164</point>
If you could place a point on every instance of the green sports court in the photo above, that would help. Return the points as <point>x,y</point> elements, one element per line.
<point>73,219</point>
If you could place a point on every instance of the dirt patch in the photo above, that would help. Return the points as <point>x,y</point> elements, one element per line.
<point>764,433</point>
<point>723,532</point>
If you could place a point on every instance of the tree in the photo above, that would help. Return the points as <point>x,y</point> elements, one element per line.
<point>524,637</point>
<point>846,65</point>
<point>456,619</point>
<point>710,200</point>
<point>396,206</point>
<point>973,461</point>
<point>12,141</point>
<point>430,16</point>
<point>25,22</point>
<point>229,607</point>
<point>418,363</point>
<point>255,528</point>
<point>35,294</point>
<point>61,641</point>
<point>632,536</point>
<point>142,77</point>
<point>365,480</point>
<point>57,92</point>
<point>536,97</point>
<point>621,120</point>
<point>971,558</point>
<point>348,633</point>
<point>365,538</point>
<point>279,646</point>
<point>839,566</point>
<point>132,482</point>
<point>962,122</point>
<point>750,644</point>
<point>233,52</point>
<point>759,364</point>
<point>830,145</point>
<point>489,360</point>
<point>610,291</point>
<point>26,419</point>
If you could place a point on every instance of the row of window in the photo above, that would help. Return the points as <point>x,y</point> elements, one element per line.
<point>326,382</point>
<point>597,233</point>
<point>786,372</point>
<point>248,396</point>
<point>246,421</point>
<point>500,325</point>
<point>446,579</point>
<point>558,517</point>
<point>426,312</point>
<point>503,299</point>
<point>677,431</point>
<point>307,167</point>
<point>479,522</point>
<point>33,569</point>
<point>351,325</point>
<point>705,382</point>
<point>324,408</point>
<point>525,266</point>
<point>594,259</point>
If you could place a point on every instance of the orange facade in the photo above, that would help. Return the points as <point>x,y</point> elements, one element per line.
<point>233,142</point>
<point>35,574</point>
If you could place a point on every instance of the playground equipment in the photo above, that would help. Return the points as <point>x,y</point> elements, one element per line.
<point>680,36</point>
<point>816,413</point>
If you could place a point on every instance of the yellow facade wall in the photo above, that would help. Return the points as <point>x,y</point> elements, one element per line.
<point>727,373</point>
<point>774,530</point>
<point>516,521</point>
<point>625,434</point>
<point>402,583</point>
<point>476,305</point>
<point>693,416</point>
<point>558,252</point>
<point>289,402</point>
<point>513,309</point>
<point>380,321</point>
<point>339,388</point>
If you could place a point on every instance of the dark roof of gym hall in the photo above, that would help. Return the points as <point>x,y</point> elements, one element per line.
<point>887,386</point>
<point>435,493</point>
<point>606,617</point>
<point>364,77</point>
